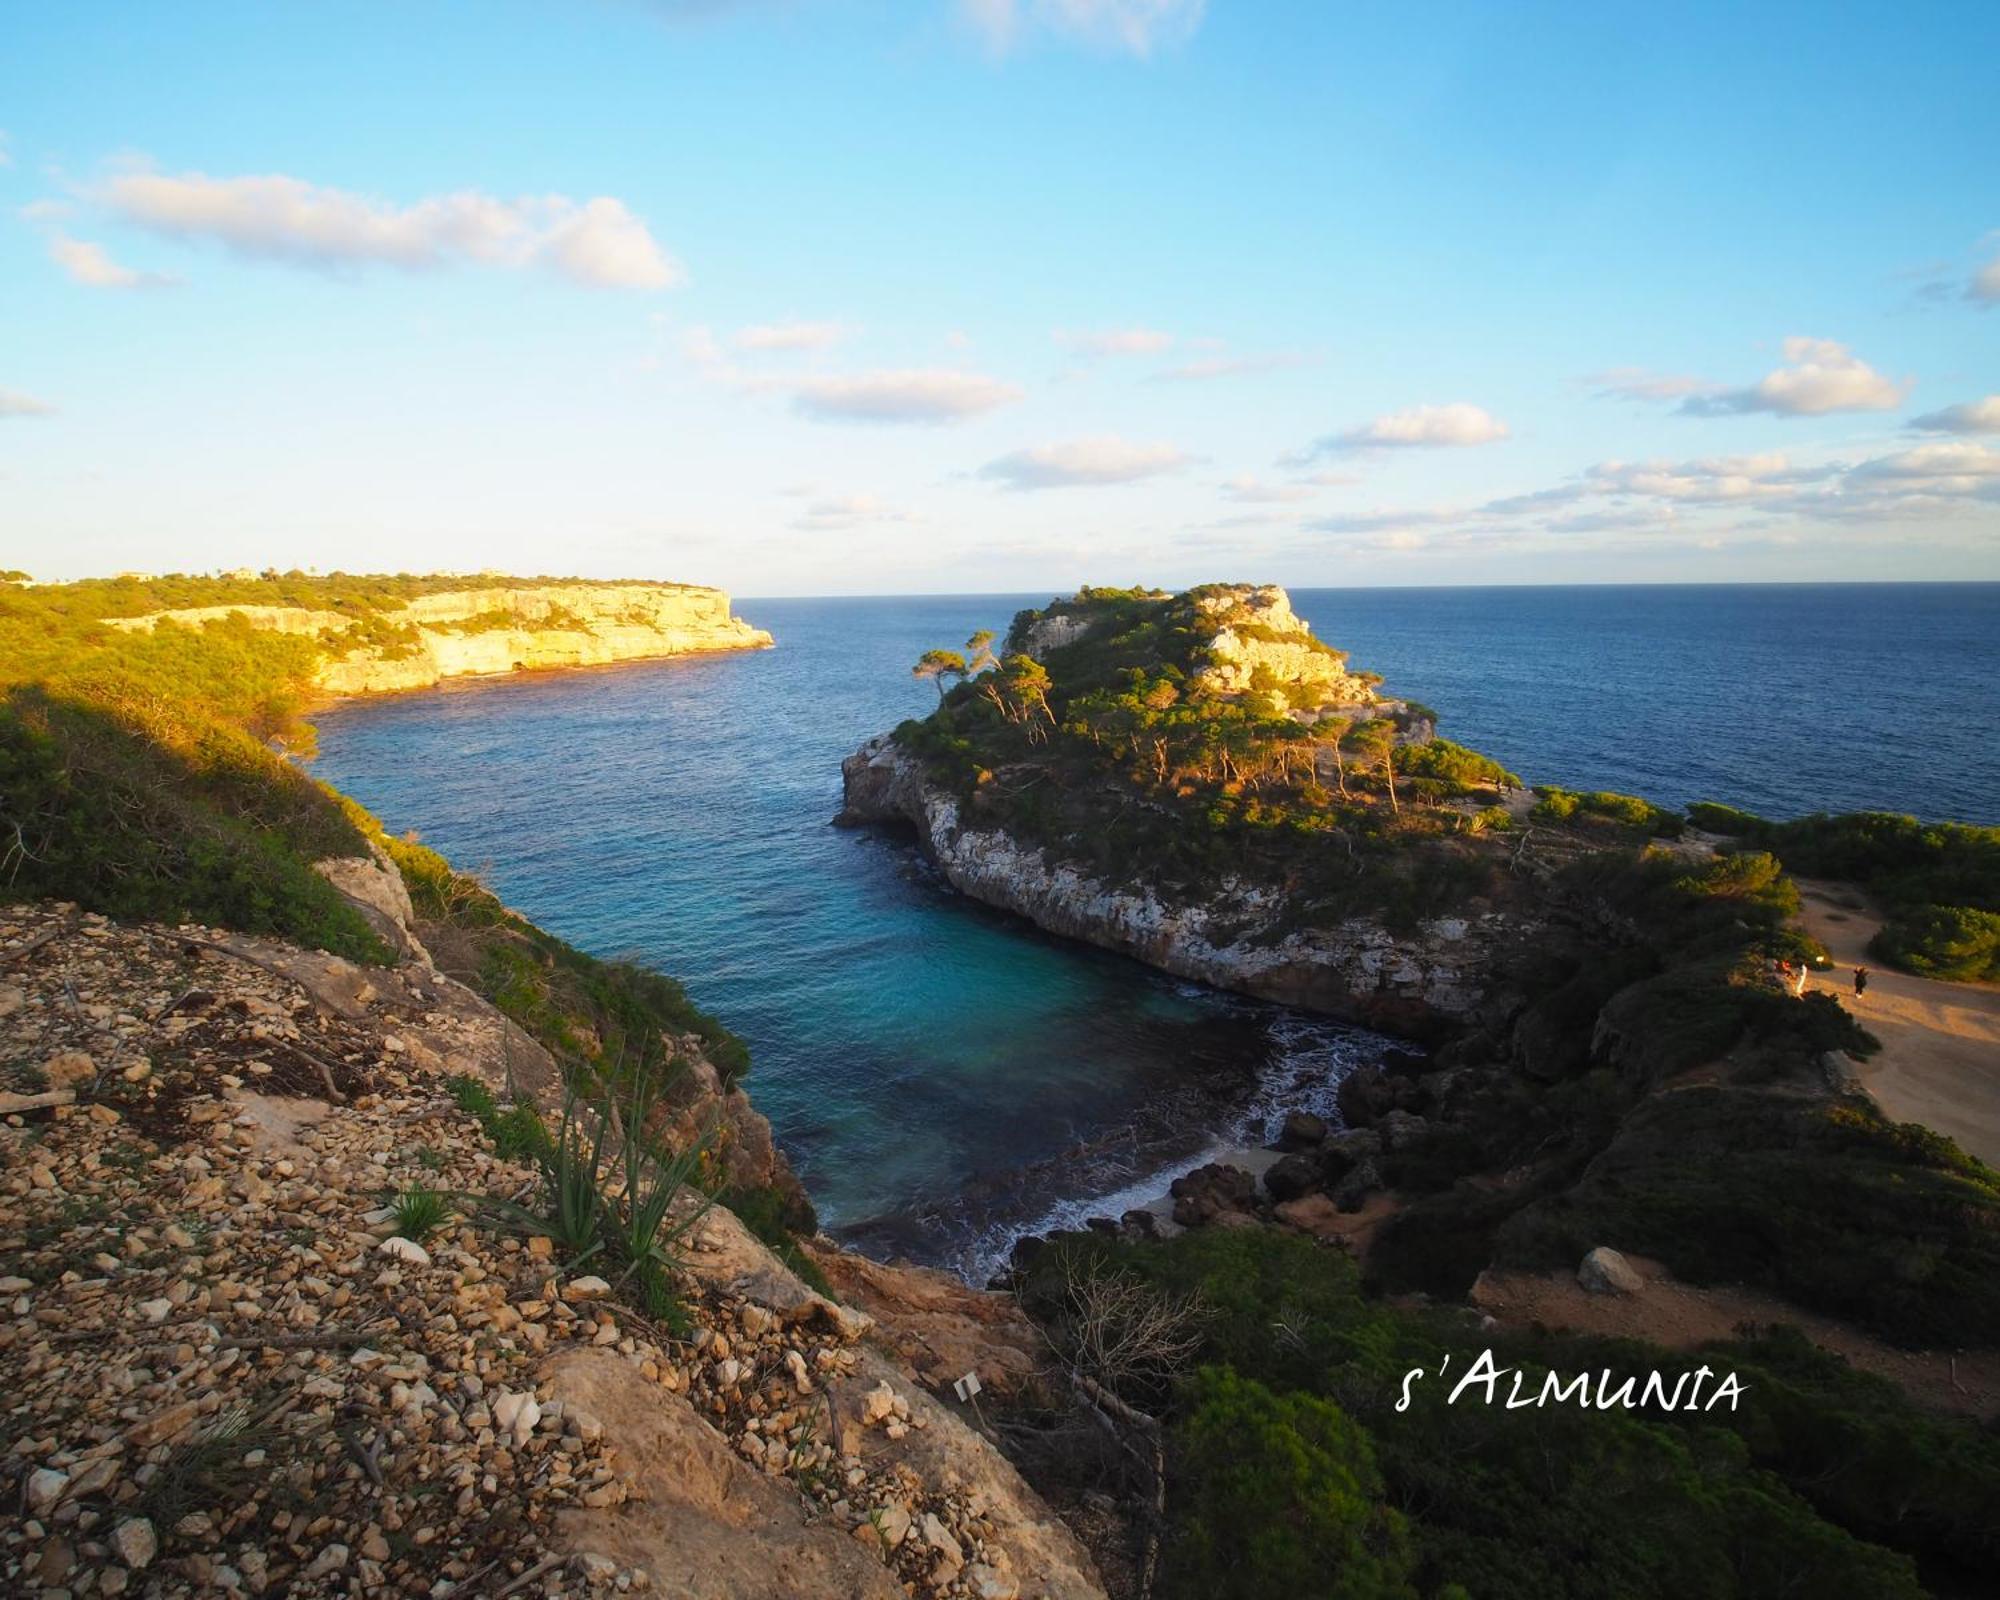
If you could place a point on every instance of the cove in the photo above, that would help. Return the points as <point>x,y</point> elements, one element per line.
<point>941,1077</point>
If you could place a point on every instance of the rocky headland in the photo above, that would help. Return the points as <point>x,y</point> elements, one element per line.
<point>477,631</point>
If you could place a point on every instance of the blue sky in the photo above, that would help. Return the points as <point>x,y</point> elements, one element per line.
<point>825,296</point>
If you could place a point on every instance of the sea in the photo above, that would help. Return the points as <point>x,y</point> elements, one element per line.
<point>944,1077</point>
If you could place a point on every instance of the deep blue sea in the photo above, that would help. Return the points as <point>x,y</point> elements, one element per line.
<point>943,1077</point>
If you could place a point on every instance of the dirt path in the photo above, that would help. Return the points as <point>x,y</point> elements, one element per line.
<point>1681,1315</point>
<point>1940,1059</point>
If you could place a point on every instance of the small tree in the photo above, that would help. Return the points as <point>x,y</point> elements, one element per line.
<point>1375,740</point>
<point>979,656</point>
<point>938,665</point>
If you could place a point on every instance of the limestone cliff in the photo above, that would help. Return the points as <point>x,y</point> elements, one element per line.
<point>476,631</point>
<point>1419,984</point>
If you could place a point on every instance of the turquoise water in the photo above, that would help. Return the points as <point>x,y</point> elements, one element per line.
<point>943,1076</point>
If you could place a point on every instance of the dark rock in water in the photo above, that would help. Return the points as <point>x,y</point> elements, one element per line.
<point>1138,1224</point>
<point>1024,1251</point>
<point>1404,1063</point>
<point>1302,1131</point>
<point>1292,1176</point>
<point>1344,1152</point>
<point>1208,1192</point>
<point>1101,1225</point>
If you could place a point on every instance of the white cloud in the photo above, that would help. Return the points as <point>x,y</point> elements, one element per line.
<point>1116,341</point>
<point>90,263</point>
<point>831,512</point>
<point>1819,376</point>
<point>1636,383</point>
<point>790,336</point>
<point>15,404</point>
<point>1712,481</point>
<point>1985,283</point>
<point>1958,462</point>
<point>1083,463</point>
<point>598,242</point>
<point>924,396</point>
<point>1404,519</point>
<point>1420,427</point>
<point>1976,416</point>
<point>1256,492</point>
<point>1135,27</point>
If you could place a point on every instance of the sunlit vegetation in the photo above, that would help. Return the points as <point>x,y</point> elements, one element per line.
<point>1938,883</point>
<point>1117,747</point>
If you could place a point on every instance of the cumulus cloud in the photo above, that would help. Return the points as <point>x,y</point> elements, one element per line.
<point>1116,341</point>
<point>790,336</point>
<point>1958,462</point>
<point>1083,463</point>
<point>15,404</point>
<point>1419,427</point>
<point>1711,481</point>
<point>1636,383</point>
<point>599,242</point>
<point>1975,416</point>
<point>1133,27</point>
<point>1819,376</point>
<point>91,264</point>
<point>919,396</point>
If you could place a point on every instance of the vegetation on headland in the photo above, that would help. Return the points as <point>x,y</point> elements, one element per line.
<point>144,774</point>
<point>1293,1466</point>
<point>1121,749</point>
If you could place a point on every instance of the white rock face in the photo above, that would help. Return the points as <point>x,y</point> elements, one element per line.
<point>1357,969</point>
<point>559,625</point>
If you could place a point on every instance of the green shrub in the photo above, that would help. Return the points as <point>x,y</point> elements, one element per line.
<point>1951,942</point>
<point>419,1211</point>
<point>1276,1495</point>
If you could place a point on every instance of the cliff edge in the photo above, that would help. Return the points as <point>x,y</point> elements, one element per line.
<point>482,630</point>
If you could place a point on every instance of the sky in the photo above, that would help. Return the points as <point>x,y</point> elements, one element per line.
<point>925,296</point>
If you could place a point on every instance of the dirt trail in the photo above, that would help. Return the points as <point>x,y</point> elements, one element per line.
<point>1940,1059</point>
<point>1681,1315</point>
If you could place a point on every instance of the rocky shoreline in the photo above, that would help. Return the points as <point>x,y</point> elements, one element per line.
<point>1425,985</point>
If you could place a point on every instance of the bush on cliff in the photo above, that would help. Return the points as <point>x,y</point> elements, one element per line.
<point>183,820</point>
<point>1278,1494</point>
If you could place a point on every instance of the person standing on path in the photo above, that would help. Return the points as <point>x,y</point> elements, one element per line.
<point>1860,982</point>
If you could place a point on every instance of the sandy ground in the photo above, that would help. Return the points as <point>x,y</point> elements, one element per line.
<point>1679,1315</point>
<point>1940,1059</point>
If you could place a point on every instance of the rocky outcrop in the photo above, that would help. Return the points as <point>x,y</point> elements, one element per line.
<point>1422,984</point>
<point>474,631</point>
<point>249,1327</point>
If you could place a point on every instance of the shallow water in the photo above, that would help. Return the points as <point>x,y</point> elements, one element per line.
<point>942,1076</point>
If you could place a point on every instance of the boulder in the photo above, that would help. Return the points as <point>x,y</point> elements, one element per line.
<point>1212,1191</point>
<point>1362,1180</point>
<point>1302,1131</point>
<point>1344,1152</point>
<point>1605,1271</point>
<point>1401,1129</point>
<point>1292,1176</point>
